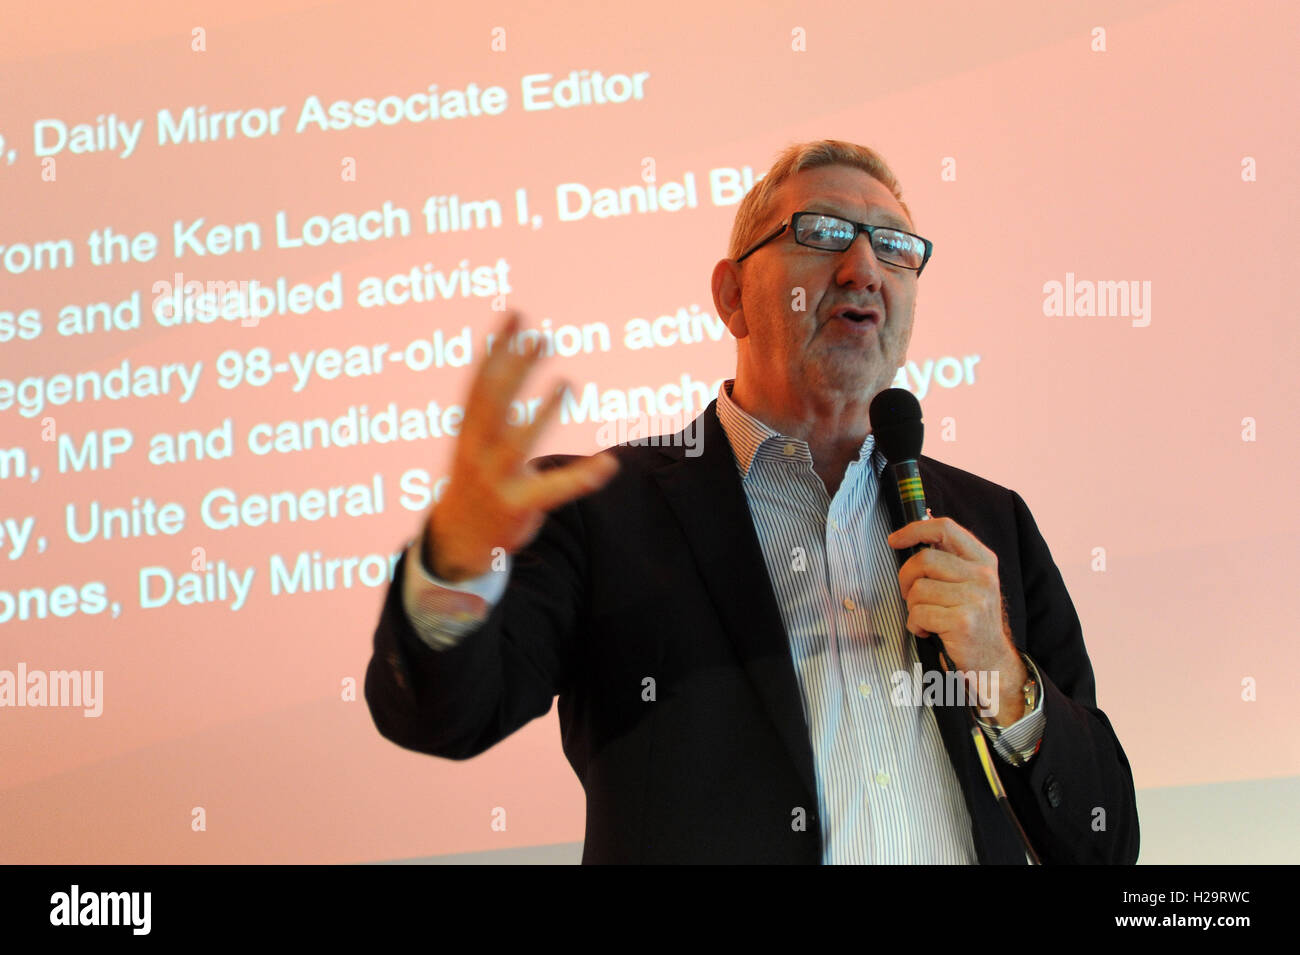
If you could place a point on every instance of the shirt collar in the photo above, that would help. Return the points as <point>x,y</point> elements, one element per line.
<point>751,438</point>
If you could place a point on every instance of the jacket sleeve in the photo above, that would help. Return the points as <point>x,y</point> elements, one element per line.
<point>458,702</point>
<point>1075,798</point>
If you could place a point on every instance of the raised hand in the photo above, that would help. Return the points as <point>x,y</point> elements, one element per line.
<point>494,498</point>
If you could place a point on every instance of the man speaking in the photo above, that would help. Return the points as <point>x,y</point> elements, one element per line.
<point>726,631</point>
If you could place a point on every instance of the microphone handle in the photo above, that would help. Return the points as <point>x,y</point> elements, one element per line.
<point>910,491</point>
<point>912,494</point>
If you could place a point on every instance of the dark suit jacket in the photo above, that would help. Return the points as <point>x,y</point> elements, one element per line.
<point>660,576</point>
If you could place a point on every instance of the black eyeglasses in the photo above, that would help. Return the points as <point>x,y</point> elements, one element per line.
<point>833,234</point>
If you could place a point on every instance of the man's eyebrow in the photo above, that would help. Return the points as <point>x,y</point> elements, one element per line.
<point>887,219</point>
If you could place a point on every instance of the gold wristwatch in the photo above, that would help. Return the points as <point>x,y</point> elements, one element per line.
<point>1030,689</point>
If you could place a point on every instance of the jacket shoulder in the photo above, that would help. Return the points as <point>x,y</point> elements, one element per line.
<point>968,483</point>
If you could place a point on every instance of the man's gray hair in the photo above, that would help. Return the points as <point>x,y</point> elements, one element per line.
<point>752,218</point>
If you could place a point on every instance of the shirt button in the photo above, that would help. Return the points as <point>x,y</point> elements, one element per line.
<point>788,450</point>
<point>835,525</point>
<point>882,778</point>
<point>849,604</point>
<point>864,689</point>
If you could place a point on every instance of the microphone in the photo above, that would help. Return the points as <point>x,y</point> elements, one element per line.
<point>896,422</point>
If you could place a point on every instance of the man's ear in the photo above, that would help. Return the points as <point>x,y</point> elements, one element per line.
<point>726,297</point>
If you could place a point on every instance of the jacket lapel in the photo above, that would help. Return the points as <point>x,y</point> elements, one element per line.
<point>709,501</point>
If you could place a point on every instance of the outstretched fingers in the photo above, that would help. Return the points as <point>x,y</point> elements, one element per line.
<point>547,490</point>
<point>496,383</point>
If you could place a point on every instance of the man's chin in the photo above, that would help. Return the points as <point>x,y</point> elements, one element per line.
<point>852,379</point>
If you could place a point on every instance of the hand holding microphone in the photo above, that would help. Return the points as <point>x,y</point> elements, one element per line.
<point>950,580</point>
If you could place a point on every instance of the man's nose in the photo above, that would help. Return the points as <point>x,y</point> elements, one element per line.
<point>858,266</point>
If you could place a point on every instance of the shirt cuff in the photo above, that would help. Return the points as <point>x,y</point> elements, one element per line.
<point>1017,743</point>
<point>441,612</point>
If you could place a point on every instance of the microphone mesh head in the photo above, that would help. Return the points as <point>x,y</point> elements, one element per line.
<point>896,423</point>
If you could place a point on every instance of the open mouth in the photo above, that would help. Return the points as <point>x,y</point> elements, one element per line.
<point>858,316</point>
